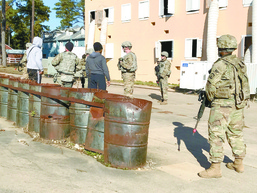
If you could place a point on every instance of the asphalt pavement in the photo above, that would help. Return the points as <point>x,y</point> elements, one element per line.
<point>174,156</point>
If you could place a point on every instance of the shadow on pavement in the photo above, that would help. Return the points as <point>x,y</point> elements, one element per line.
<point>194,143</point>
<point>155,96</point>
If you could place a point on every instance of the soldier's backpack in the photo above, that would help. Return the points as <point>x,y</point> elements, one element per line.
<point>242,88</point>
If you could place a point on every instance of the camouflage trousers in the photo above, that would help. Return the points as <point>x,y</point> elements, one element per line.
<point>128,79</point>
<point>226,122</point>
<point>57,79</point>
<point>164,86</point>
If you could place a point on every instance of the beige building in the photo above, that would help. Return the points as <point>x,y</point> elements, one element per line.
<point>176,26</point>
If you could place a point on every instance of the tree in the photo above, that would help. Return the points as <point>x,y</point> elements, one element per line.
<point>19,20</point>
<point>70,12</point>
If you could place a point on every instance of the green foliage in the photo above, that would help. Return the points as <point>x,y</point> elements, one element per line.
<point>18,20</point>
<point>70,12</point>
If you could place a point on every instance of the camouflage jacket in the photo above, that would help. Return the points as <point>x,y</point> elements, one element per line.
<point>128,63</point>
<point>164,69</point>
<point>81,66</point>
<point>66,64</point>
<point>24,59</point>
<point>224,81</point>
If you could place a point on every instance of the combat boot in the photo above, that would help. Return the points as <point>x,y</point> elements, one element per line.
<point>213,172</point>
<point>237,165</point>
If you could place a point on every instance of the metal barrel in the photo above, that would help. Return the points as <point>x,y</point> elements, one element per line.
<point>126,125</point>
<point>54,117</point>
<point>95,134</point>
<point>22,115</point>
<point>4,95</point>
<point>79,114</point>
<point>35,106</point>
<point>12,99</point>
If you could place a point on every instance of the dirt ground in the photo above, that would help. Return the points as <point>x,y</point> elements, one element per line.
<point>10,69</point>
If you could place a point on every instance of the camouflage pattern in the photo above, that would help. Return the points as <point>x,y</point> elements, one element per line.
<point>225,120</point>
<point>23,61</point>
<point>66,64</point>
<point>128,63</point>
<point>128,79</point>
<point>163,74</point>
<point>227,41</point>
<point>128,66</point>
<point>126,44</point>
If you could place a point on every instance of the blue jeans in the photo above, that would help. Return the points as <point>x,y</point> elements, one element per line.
<point>97,81</point>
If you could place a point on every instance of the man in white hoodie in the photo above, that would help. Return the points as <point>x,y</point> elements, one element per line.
<point>34,60</point>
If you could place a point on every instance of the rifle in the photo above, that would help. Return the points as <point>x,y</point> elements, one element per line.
<point>204,103</point>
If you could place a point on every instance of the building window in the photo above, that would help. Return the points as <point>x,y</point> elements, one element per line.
<point>167,7</point>
<point>247,2</point>
<point>126,12</point>
<point>245,44</point>
<point>164,45</point>
<point>193,48</point>
<point>192,5</point>
<point>143,10</point>
<point>91,16</point>
<point>223,3</point>
<point>109,13</point>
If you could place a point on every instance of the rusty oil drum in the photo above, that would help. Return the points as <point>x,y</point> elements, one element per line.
<point>22,115</point>
<point>79,114</point>
<point>126,132</point>
<point>4,95</point>
<point>35,106</point>
<point>95,135</point>
<point>54,117</point>
<point>12,99</point>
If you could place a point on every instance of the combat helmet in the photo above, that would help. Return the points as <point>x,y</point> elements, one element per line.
<point>28,45</point>
<point>126,44</point>
<point>227,42</point>
<point>164,53</point>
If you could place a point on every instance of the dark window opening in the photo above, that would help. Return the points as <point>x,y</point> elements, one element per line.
<point>167,46</point>
<point>92,16</point>
<point>248,42</point>
<point>194,48</point>
<point>165,6</point>
<point>106,11</point>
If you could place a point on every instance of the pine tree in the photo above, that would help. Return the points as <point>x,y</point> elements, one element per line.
<point>70,12</point>
<point>18,16</point>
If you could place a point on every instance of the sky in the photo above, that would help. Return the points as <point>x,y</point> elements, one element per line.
<point>53,21</point>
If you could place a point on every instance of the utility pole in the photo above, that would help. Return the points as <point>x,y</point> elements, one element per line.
<point>3,34</point>
<point>32,20</point>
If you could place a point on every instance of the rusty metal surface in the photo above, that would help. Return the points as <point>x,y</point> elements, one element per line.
<point>4,96</point>
<point>126,132</point>
<point>54,118</point>
<point>95,134</point>
<point>12,99</point>
<point>35,106</point>
<point>22,115</point>
<point>79,114</point>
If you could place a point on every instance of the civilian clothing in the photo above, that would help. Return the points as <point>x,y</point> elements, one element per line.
<point>97,81</point>
<point>34,60</point>
<point>96,64</point>
<point>34,75</point>
<point>34,55</point>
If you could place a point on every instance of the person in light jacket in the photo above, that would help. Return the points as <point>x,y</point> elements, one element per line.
<point>34,60</point>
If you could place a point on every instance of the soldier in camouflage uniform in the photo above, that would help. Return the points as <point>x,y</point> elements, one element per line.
<point>128,66</point>
<point>162,71</point>
<point>66,64</point>
<point>228,90</point>
<point>24,62</point>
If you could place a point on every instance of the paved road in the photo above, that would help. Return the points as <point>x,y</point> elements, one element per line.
<point>173,160</point>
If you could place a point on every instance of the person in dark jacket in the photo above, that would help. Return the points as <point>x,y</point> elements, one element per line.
<point>96,69</point>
